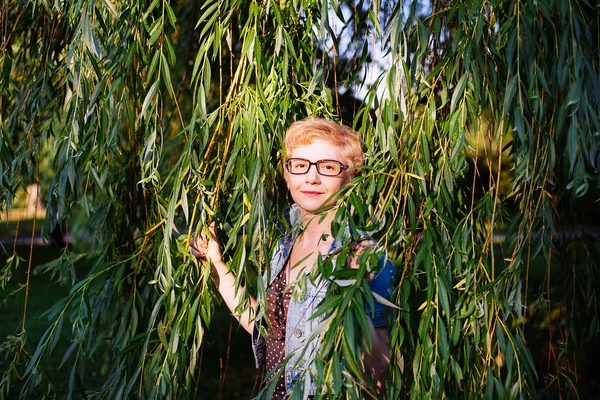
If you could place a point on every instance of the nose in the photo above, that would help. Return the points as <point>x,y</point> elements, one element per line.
<point>312,176</point>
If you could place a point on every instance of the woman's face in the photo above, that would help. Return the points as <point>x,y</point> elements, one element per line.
<point>312,190</point>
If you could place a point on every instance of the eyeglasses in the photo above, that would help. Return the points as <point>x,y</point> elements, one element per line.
<point>300,166</point>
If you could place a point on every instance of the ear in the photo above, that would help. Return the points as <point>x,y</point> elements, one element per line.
<point>283,160</point>
<point>347,179</point>
<point>285,178</point>
<point>349,174</point>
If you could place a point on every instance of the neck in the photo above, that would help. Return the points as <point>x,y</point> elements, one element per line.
<point>317,225</point>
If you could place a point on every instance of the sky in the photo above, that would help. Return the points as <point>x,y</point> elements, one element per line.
<point>381,58</point>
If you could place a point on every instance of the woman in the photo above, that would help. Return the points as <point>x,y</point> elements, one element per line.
<point>322,157</point>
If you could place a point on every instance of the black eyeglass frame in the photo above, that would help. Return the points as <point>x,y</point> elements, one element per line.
<point>343,167</point>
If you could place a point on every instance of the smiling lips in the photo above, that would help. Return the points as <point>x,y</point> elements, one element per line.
<point>311,194</point>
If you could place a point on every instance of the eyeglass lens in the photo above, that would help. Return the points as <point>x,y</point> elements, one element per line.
<point>324,167</point>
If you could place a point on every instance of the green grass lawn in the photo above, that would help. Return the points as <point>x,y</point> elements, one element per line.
<point>220,377</point>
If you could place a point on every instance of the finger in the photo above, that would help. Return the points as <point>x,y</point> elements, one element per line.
<point>195,251</point>
<point>198,247</point>
<point>200,243</point>
<point>364,244</point>
<point>212,229</point>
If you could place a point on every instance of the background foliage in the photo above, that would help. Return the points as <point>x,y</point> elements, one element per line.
<point>141,120</point>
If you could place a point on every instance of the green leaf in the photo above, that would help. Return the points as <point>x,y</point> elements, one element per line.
<point>510,93</point>
<point>155,31</point>
<point>162,334</point>
<point>184,203</point>
<point>170,15</point>
<point>166,74</point>
<point>148,99</point>
<point>170,51</point>
<point>458,91</point>
<point>90,39</point>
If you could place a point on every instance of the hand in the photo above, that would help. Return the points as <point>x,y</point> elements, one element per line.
<point>358,249</point>
<point>209,248</point>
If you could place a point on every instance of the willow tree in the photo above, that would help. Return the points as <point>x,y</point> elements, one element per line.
<point>144,120</point>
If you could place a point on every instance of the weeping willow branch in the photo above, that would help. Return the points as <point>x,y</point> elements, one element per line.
<point>479,120</point>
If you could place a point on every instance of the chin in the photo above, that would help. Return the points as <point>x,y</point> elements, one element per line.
<point>314,208</point>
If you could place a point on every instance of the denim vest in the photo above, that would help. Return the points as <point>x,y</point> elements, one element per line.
<point>298,351</point>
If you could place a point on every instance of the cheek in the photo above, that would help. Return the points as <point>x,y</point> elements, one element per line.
<point>337,186</point>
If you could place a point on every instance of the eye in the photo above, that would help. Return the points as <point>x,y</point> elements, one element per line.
<point>299,164</point>
<point>330,167</point>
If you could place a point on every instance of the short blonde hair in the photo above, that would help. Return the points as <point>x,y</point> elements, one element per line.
<point>305,132</point>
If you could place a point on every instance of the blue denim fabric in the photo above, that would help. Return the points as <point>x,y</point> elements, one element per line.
<point>299,326</point>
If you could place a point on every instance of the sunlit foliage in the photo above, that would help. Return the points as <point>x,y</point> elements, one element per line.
<point>142,120</point>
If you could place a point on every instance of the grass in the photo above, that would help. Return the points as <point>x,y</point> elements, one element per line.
<point>227,369</point>
<point>42,293</point>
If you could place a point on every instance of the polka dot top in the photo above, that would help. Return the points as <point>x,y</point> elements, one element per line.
<point>278,300</point>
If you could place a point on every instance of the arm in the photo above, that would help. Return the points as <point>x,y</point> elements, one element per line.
<point>378,359</point>
<point>210,249</point>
